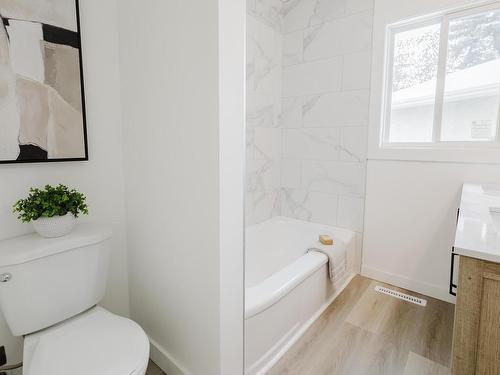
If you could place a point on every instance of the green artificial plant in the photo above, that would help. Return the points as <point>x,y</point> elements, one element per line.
<point>49,202</point>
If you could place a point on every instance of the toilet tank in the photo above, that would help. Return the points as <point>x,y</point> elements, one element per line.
<point>45,281</point>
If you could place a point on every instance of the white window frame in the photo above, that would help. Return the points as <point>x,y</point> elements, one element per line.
<point>391,30</point>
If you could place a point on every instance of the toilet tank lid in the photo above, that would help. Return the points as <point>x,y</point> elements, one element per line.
<point>30,247</point>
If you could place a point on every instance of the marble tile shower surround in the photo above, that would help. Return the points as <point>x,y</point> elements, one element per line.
<point>308,102</point>
<point>264,92</point>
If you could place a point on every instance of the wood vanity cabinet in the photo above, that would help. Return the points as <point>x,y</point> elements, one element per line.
<point>476,341</point>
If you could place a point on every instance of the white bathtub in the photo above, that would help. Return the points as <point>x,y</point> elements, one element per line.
<point>286,289</point>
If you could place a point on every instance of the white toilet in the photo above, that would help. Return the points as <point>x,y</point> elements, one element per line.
<point>49,289</point>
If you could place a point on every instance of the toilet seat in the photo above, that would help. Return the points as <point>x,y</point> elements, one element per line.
<point>96,342</point>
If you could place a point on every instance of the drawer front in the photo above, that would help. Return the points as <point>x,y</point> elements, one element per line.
<point>477,319</point>
<point>488,351</point>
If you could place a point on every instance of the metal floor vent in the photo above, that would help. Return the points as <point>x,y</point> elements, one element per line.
<point>404,297</point>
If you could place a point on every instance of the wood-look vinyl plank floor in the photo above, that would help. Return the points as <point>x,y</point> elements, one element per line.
<point>418,365</point>
<point>367,333</point>
<point>153,369</point>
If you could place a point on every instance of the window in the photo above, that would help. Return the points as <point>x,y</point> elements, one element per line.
<point>443,81</point>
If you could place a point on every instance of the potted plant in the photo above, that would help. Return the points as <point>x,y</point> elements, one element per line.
<point>53,210</point>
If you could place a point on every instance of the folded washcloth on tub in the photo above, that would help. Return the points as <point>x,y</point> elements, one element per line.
<point>336,254</point>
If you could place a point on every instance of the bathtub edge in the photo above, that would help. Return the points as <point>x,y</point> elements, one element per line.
<point>295,338</point>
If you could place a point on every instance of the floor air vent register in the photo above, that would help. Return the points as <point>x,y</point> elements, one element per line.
<point>402,296</point>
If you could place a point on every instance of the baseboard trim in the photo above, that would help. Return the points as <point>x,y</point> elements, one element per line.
<point>164,360</point>
<point>400,281</point>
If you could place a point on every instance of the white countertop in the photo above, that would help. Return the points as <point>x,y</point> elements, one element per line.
<point>478,234</point>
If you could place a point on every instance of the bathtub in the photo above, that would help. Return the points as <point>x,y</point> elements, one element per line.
<point>286,289</point>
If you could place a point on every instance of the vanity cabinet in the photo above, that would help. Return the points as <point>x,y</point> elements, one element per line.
<point>476,337</point>
<point>476,341</point>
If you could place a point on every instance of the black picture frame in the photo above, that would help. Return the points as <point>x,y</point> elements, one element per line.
<point>84,111</point>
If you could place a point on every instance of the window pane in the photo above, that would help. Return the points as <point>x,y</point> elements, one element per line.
<point>416,55</point>
<point>472,88</point>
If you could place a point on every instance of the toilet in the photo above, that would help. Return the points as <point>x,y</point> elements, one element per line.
<point>49,291</point>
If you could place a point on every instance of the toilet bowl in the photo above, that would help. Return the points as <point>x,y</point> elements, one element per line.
<point>49,294</point>
<point>95,342</point>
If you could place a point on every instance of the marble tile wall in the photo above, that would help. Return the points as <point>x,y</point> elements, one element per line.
<point>308,102</point>
<point>264,92</point>
<point>325,104</point>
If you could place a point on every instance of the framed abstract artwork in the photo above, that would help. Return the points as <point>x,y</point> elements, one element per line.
<point>42,101</point>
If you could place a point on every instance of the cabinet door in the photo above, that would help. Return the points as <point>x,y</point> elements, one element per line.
<point>476,348</point>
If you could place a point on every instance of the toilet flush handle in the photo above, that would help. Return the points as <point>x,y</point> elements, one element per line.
<point>5,277</point>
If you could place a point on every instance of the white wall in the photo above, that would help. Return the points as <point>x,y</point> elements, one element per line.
<point>410,205</point>
<point>411,212</point>
<point>231,187</point>
<point>101,179</point>
<point>175,127</point>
